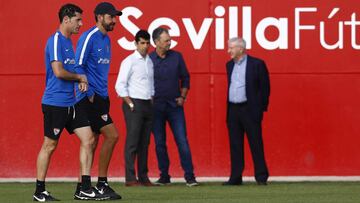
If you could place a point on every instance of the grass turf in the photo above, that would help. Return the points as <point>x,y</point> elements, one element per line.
<point>339,192</point>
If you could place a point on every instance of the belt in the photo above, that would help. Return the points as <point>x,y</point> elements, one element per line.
<point>238,104</point>
<point>141,100</point>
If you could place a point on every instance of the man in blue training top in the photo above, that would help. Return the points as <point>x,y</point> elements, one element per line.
<point>58,105</point>
<point>93,55</point>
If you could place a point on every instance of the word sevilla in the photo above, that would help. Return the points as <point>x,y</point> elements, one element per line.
<point>197,36</point>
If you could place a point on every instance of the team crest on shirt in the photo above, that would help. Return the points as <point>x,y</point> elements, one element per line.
<point>104,117</point>
<point>56,131</point>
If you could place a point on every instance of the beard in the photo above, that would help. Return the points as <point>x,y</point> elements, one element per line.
<point>75,30</point>
<point>108,26</point>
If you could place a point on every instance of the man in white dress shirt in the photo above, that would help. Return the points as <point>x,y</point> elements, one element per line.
<point>135,85</point>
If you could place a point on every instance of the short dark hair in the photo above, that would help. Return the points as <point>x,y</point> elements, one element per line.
<point>142,34</point>
<point>69,10</point>
<point>157,32</point>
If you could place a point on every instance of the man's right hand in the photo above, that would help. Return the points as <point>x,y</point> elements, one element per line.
<point>83,87</point>
<point>83,79</point>
<point>128,101</point>
<point>132,106</point>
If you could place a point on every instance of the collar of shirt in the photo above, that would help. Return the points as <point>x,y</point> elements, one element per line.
<point>62,36</point>
<point>242,60</point>
<point>139,56</point>
<point>167,54</point>
<point>99,33</point>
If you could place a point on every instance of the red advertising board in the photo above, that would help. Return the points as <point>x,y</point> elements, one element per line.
<point>311,49</point>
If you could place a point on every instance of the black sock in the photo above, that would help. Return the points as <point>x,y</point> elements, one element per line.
<point>85,183</point>
<point>101,181</point>
<point>78,187</point>
<point>40,186</point>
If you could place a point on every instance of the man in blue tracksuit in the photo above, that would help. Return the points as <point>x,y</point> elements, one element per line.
<point>93,55</point>
<point>58,105</point>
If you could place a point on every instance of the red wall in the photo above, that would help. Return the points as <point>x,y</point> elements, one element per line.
<point>311,127</point>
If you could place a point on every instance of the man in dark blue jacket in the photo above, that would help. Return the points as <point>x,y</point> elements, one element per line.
<point>248,98</point>
<point>172,82</point>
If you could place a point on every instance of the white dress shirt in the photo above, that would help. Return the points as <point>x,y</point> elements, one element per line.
<point>136,77</point>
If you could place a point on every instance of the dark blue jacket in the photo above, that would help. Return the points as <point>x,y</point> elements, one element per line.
<point>257,86</point>
<point>170,75</point>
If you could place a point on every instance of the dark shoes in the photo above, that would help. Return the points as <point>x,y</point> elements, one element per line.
<point>192,183</point>
<point>107,191</point>
<point>261,183</point>
<point>144,182</point>
<point>163,181</point>
<point>132,183</point>
<point>44,197</point>
<point>231,183</point>
<point>103,192</point>
<point>91,194</point>
<point>147,184</point>
<point>166,181</point>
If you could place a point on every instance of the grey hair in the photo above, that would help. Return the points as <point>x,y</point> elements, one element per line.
<point>157,32</point>
<point>240,41</point>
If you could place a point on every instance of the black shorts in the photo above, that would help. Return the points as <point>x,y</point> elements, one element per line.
<point>57,118</point>
<point>97,112</point>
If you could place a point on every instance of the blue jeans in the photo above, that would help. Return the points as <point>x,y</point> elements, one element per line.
<point>176,118</point>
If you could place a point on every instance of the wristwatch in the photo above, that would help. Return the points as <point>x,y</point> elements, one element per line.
<point>131,105</point>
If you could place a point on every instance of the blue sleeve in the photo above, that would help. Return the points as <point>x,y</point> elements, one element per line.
<point>184,73</point>
<point>82,54</point>
<point>54,48</point>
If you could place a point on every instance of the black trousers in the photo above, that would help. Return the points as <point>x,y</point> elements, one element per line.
<point>240,122</point>
<point>138,129</point>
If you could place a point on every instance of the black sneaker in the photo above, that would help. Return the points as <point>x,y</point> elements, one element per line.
<point>107,191</point>
<point>163,181</point>
<point>91,194</point>
<point>192,182</point>
<point>77,191</point>
<point>44,197</point>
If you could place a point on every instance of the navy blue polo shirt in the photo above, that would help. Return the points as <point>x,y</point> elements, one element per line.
<point>59,92</point>
<point>170,74</point>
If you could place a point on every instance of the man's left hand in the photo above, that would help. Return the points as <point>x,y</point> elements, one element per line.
<point>180,101</point>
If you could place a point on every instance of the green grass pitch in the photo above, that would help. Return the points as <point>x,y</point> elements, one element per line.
<point>326,192</point>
